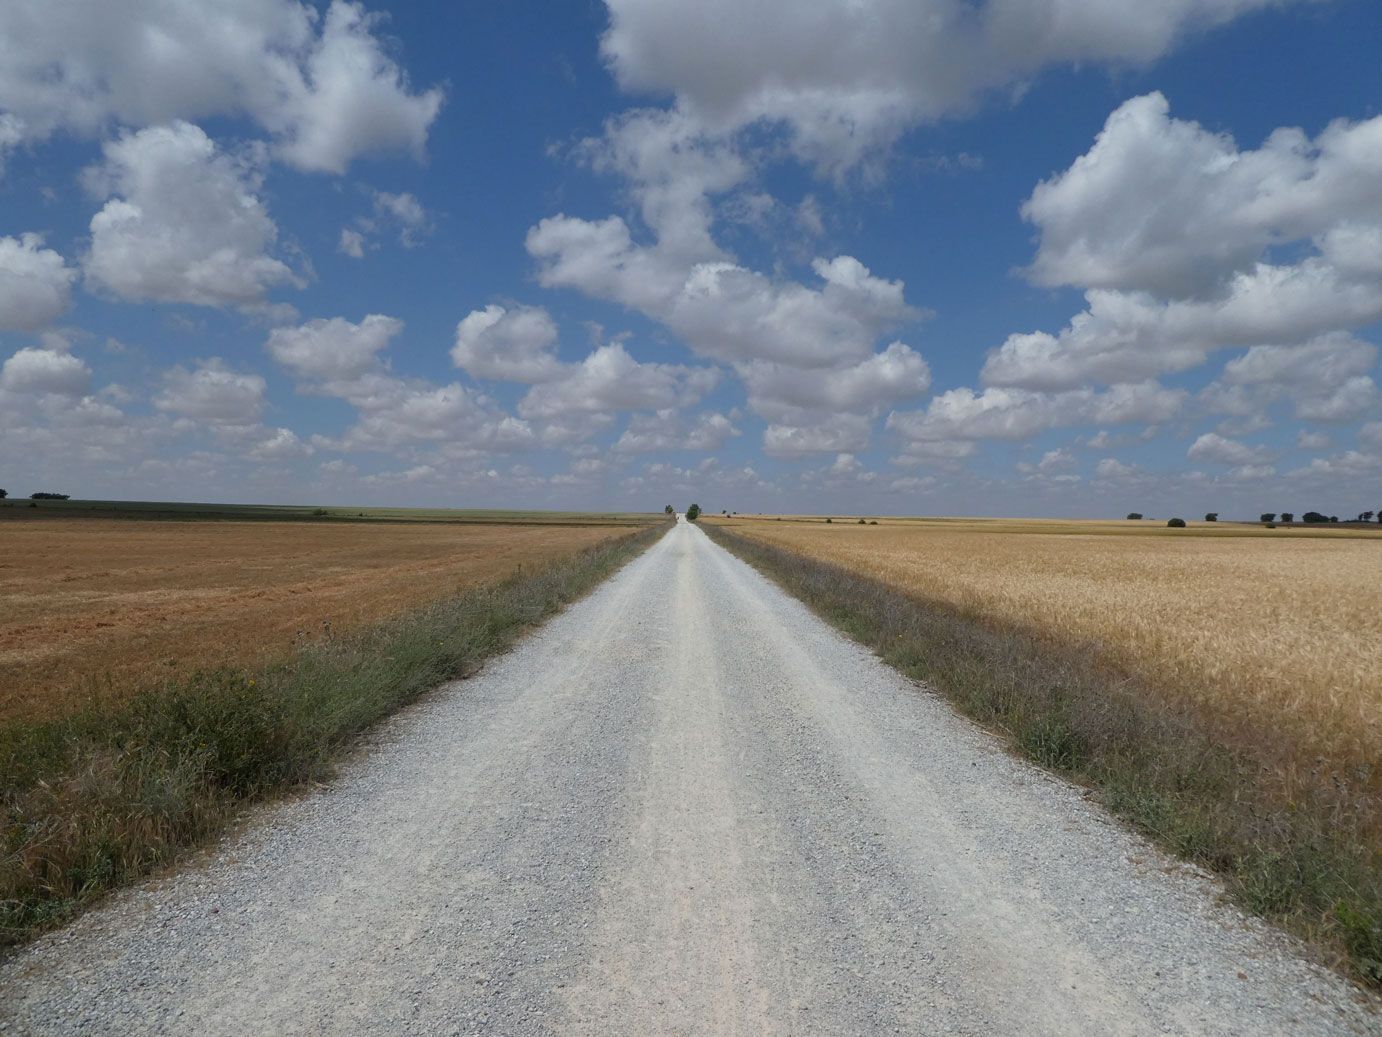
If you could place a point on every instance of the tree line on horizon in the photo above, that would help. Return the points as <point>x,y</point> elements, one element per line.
<point>41,495</point>
<point>1270,517</point>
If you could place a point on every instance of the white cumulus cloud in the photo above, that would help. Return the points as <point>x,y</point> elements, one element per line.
<point>34,370</point>
<point>848,77</point>
<point>609,379</point>
<point>333,349</point>
<point>212,393</point>
<point>1175,233</point>
<point>35,283</point>
<point>1216,448</point>
<point>185,224</point>
<point>325,87</point>
<point>515,344</point>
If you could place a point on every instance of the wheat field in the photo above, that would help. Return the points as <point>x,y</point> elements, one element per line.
<point>1258,628</point>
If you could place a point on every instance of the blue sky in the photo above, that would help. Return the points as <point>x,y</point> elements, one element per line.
<point>1055,257</point>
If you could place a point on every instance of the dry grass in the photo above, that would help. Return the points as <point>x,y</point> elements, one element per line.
<point>1257,629</point>
<point>113,605</point>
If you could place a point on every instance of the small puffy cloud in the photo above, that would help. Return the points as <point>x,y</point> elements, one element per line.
<point>1311,440</point>
<point>831,434</point>
<point>517,345</point>
<point>1055,461</point>
<point>897,373</point>
<point>667,430</point>
<point>394,413</point>
<point>1019,414</point>
<point>673,167</point>
<point>1051,463</point>
<point>326,88</point>
<point>11,136</point>
<point>352,99</point>
<point>278,444</point>
<point>1348,402</point>
<point>401,213</point>
<point>1111,468</point>
<point>1217,449</point>
<point>45,371</point>
<point>334,349</point>
<point>186,225</point>
<point>1351,464</point>
<point>212,393</point>
<point>352,243</point>
<point>609,379</point>
<point>728,312</point>
<point>1326,362</point>
<point>946,452</point>
<point>913,483</point>
<point>35,283</point>
<point>1327,378</point>
<point>406,213</point>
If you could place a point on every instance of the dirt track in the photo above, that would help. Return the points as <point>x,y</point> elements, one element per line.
<point>684,806</point>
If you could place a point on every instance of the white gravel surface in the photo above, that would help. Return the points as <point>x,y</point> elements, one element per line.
<point>686,805</point>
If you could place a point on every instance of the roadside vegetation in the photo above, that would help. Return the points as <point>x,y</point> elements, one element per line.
<point>1223,700</point>
<point>107,793</point>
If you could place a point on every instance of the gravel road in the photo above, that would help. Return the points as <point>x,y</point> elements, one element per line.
<point>686,805</point>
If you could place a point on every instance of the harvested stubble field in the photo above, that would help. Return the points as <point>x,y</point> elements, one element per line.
<point>111,605</point>
<point>1219,686</point>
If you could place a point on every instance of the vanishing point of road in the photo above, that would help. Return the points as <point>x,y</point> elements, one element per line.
<point>684,806</point>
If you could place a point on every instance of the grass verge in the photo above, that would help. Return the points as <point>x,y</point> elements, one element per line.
<point>96,799</point>
<point>1309,860</point>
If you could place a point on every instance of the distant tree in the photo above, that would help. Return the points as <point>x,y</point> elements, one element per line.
<point>1288,516</point>
<point>1268,516</point>
<point>693,513</point>
<point>3,494</point>
<point>1314,516</point>
<point>1212,516</point>
<point>1333,518</point>
<point>1177,523</point>
<point>669,510</point>
<point>1365,516</point>
<point>49,496</point>
<point>1134,515</point>
<point>830,520</point>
